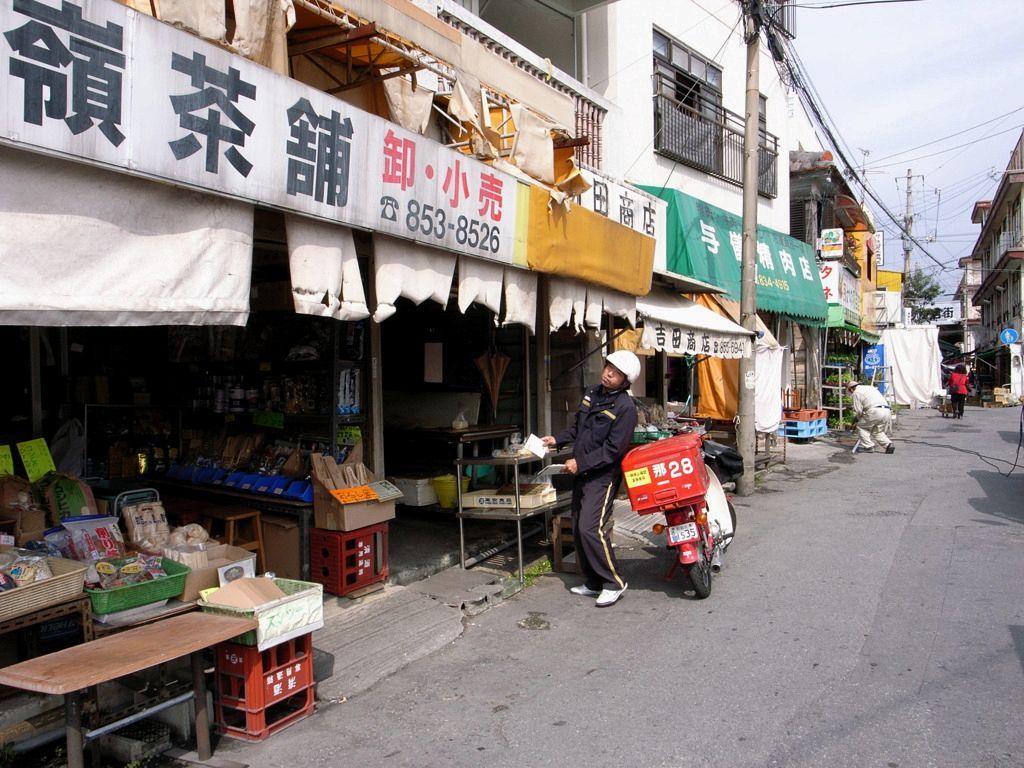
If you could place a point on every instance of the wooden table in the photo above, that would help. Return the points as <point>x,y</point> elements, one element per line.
<point>73,671</point>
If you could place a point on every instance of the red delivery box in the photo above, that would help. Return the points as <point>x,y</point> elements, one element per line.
<point>665,474</point>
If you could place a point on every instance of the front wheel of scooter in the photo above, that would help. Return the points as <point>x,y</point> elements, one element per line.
<point>700,575</point>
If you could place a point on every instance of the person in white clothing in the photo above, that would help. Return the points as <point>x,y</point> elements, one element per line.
<point>873,417</point>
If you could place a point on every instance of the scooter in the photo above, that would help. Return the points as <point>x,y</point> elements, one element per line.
<point>671,477</point>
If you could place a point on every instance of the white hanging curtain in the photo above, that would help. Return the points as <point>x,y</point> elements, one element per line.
<point>405,268</point>
<point>324,269</point>
<point>614,302</point>
<point>568,298</point>
<point>84,246</point>
<point>520,298</point>
<point>480,281</point>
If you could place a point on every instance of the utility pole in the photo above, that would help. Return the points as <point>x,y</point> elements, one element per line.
<point>746,436</point>
<point>908,246</point>
<point>907,223</point>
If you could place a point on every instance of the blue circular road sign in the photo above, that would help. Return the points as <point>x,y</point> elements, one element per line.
<point>1009,335</point>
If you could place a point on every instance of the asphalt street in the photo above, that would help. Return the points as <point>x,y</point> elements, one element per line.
<point>870,613</point>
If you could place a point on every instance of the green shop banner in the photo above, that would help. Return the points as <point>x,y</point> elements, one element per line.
<point>705,242</point>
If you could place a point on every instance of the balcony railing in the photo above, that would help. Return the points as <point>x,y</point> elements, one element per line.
<point>710,139</point>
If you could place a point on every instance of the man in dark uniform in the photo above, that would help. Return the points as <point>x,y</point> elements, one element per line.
<point>601,433</point>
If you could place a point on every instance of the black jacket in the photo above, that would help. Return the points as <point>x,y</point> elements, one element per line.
<point>602,429</point>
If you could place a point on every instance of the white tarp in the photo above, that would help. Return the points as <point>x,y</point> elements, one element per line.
<point>520,298</point>
<point>677,325</point>
<point>768,368</point>
<point>411,270</point>
<point>913,353</point>
<point>572,301</point>
<point>480,281</point>
<point>84,246</point>
<point>324,269</point>
<point>567,299</point>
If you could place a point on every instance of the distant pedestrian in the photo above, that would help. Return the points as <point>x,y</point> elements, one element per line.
<point>957,388</point>
<point>601,432</point>
<point>873,417</point>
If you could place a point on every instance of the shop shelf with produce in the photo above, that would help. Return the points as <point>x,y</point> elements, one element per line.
<point>835,401</point>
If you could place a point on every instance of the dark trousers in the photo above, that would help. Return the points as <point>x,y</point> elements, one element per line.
<point>958,404</point>
<point>592,499</point>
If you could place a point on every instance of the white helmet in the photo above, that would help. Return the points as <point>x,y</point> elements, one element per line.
<point>626,362</point>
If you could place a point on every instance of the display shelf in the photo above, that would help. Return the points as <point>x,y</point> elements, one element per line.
<point>516,513</point>
<point>844,374</point>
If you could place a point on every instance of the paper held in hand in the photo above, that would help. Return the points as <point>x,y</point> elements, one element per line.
<point>536,446</point>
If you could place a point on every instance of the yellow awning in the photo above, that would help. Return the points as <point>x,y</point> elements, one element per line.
<point>587,246</point>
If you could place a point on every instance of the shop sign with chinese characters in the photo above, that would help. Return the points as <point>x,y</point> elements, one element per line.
<point>97,81</point>
<point>706,242</point>
<point>630,207</point>
<point>841,289</point>
<point>675,340</point>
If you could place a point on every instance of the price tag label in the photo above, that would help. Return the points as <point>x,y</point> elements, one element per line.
<point>6,460</point>
<point>348,435</point>
<point>268,419</point>
<point>354,495</point>
<point>35,455</point>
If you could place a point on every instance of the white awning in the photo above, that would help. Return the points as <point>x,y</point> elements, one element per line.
<point>576,302</point>
<point>480,281</point>
<point>84,246</point>
<point>676,325</point>
<point>325,271</point>
<point>406,268</point>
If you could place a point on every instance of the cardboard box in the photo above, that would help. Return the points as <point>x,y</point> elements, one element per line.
<point>299,612</point>
<point>282,544</point>
<point>331,515</point>
<point>218,555</point>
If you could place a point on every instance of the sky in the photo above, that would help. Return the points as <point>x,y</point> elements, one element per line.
<point>895,76</point>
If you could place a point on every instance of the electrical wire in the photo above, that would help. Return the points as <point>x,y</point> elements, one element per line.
<point>944,138</point>
<point>800,80</point>
<point>990,460</point>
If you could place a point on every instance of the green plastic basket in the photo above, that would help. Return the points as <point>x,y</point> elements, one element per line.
<point>134,595</point>
<point>649,437</point>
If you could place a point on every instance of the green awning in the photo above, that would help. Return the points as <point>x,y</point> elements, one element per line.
<point>705,242</point>
<point>837,319</point>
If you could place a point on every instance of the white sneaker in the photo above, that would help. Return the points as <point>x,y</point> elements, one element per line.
<point>584,590</point>
<point>610,596</point>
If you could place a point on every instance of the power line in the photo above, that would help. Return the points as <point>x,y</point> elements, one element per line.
<point>799,81</point>
<point>950,136</point>
<point>950,149</point>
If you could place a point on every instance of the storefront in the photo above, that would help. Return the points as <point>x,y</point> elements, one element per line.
<point>255,245</point>
<point>705,243</point>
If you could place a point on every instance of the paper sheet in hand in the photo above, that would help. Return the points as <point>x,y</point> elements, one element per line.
<point>536,446</point>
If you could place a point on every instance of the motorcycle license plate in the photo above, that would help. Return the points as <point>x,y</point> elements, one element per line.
<point>677,534</point>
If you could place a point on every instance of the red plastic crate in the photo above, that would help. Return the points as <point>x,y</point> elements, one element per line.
<point>666,474</point>
<point>261,692</point>
<point>253,680</point>
<point>260,725</point>
<point>344,561</point>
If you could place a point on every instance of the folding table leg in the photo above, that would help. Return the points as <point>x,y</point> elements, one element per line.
<point>73,729</point>
<point>203,749</point>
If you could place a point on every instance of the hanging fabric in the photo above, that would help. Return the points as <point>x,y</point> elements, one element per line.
<point>325,271</point>
<point>406,268</point>
<point>567,299</point>
<point>520,298</point>
<point>480,281</point>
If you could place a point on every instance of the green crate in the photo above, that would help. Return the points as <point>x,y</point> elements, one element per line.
<point>649,437</point>
<point>134,595</point>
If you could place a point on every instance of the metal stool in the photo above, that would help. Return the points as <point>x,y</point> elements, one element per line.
<point>239,528</point>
